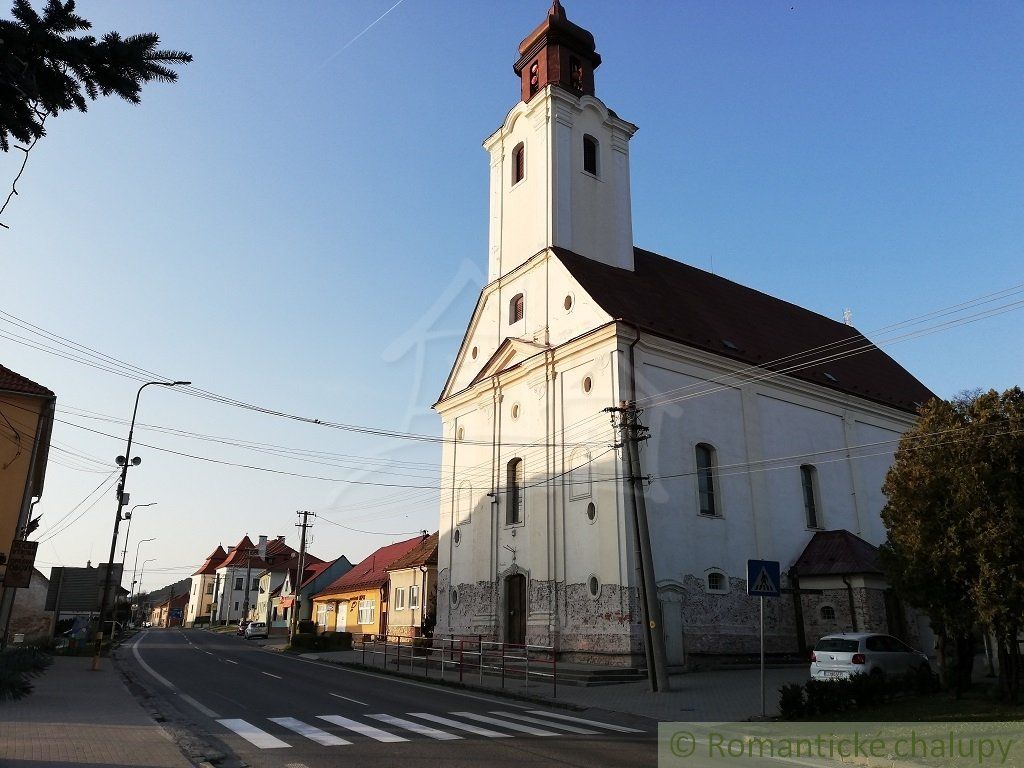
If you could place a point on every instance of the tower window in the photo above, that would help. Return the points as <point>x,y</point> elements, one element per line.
<point>534,77</point>
<point>809,481</point>
<point>516,309</point>
<point>518,163</point>
<point>576,74</point>
<point>590,154</point>
<point>514,487</point>
<point>706,479</point>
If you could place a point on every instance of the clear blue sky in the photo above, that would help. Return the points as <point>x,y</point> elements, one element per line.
<point>292,219</point>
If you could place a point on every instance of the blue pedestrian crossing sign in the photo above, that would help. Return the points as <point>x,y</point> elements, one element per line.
<point>763,578</point>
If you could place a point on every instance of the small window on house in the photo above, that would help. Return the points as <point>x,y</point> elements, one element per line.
<point>209,589</point>
<point>590,154</point>
<point>236,605</point>
<point>414,596</point>
<point>716,582</point>
<point>255,584</point>
<point>828,613</point>
<point>706,479</point>
<point>238,583</point>
<point>399,598</point>
<point>518,163</point>
<point>809,481</point>
<point>367,609</point>
<point>514,492</point>
<point>516,309</point>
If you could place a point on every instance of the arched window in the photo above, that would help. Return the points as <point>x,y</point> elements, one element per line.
<point>518,163</point>
<point>579,473</point>
<point>516,309</point>
<point>706,479</point>
<point>590,154</point>
<point>809,481</point>
<point>716,582</point>
<point>514,492</point>
<point>464,504</point>
<point>828,613</point>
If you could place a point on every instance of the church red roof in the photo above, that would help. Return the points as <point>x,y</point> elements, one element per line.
<point>212,562</point>
<point>679,302</point>
<point>372,571</point>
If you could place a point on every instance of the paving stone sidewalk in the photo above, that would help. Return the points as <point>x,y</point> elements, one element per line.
<point>77,717</point>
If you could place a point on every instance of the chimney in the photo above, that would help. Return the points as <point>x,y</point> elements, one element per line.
<point>231,548</point>
<point>281,539</point>
<point>263,546</point>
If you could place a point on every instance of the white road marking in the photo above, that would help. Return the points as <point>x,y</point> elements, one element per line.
<point>505,724</point>
<point>309,731</point>
<point>461,726</point>
<point>346,698</point>
<point>268,674</point>
<point>254,735</point>
<point>160,678</point>
<point>608,726</point>
<point>229,661</point>
<point>422,730</point>
<point>538,721</point>
<point>361,728</point>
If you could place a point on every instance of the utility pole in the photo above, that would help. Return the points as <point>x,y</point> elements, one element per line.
<point>248,581</point>
<point>304,525</point>
<point>631,433</point>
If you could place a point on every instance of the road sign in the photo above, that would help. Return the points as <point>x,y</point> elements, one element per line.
<point>763,578</point>
<point>20,563</point>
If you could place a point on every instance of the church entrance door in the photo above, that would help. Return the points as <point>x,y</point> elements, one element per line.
<point>515,609</point>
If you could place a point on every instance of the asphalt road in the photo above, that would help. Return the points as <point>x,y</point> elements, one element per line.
<point>265,708</point>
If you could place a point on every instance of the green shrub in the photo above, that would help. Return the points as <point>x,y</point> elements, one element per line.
<point>304,641</point>
<point>791,701</point>
<point>17,667</point>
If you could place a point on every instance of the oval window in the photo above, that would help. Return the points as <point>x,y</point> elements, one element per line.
<point>588,385</point>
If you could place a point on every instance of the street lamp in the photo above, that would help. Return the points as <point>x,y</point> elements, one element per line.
<point>124,462</point>
<point>150,560</point>
<point>136,568</point>
<point>124,552</point>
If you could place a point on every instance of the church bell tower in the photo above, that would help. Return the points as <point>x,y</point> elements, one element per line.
<point>560,161</point>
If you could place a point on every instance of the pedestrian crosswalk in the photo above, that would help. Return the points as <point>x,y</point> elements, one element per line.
<point>450,726</point>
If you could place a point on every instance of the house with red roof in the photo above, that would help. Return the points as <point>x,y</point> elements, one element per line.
<point>286,600</point>
<point>358,601</point>
<point>271,580</point>
<point>201,600</point>
<point>412,579</point>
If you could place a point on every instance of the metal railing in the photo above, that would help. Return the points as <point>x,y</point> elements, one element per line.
<point>464,658</point>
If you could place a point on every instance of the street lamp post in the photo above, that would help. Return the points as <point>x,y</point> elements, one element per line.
<point>150,560</point>
<point>104,600</point>
<point>135,568</point>
<point>124,552</point>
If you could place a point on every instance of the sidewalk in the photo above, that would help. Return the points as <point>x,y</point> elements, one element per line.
<point>82,718</point>
<point>712,696</point>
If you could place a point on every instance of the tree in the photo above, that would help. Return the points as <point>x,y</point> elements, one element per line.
<point>46,68</point>
<point>955,520</point>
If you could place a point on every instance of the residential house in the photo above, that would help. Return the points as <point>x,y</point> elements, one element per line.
<point>169,612</point>
<point>26,421</point>
<point>236,587</point>
<point>202,602</point>
<point>755,439</point>
<point>271,581</point>
<point>413,583</point>
<point>316,578</point>
<point>357,602</point>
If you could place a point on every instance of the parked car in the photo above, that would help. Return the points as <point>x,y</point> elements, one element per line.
<point>242,624</point>
<point>257,629</point>
<point>843,655</point>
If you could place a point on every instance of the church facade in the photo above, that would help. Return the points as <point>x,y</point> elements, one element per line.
<point>771,427</point>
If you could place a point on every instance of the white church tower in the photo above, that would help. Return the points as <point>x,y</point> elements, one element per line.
<point>747,458</point>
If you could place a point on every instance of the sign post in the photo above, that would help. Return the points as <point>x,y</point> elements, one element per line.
<point>20,564</point>
<point>763,580</point>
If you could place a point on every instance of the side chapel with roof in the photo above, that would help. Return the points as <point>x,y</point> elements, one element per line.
<point>772,427</point>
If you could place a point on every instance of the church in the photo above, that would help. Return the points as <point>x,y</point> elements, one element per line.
<point>771,427</point>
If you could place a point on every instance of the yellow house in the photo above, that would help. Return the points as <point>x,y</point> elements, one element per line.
<point>413,582</point>
<point>26,421</point>
<point>358,601</point>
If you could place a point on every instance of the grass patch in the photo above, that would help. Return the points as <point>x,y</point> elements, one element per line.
<point>977,705</point>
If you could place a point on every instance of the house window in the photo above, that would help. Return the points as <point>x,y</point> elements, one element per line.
<point>209,589</point>
<point>518,163</point>
<point>716,582</point>
<point>579,474</point>
<point>414,597</point>
<point>516,309</point>
<point>255,584</point>
<point>828,613</point>
<point>514,492</point>
<point>366,611</point>
<point>464,504</point>
<point>706,479</point>
<point>236,605</point>
<point>399,598</point>
<point>284,616</point>
<point>321,615</point>
<point>590,154</point>
<point>273,615</point>
<point>809,481</point>
<point>238,583</point>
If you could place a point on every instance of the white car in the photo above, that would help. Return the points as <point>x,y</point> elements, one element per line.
<point>257,629</point>
<point>841,656</point>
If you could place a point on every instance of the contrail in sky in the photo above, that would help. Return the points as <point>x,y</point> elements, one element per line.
<point>370,26</point>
